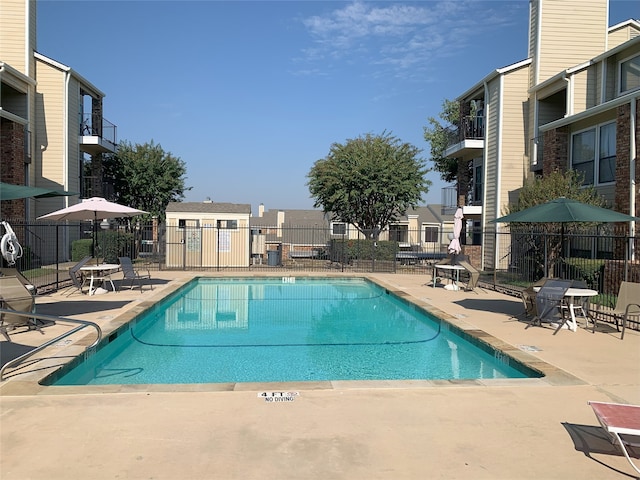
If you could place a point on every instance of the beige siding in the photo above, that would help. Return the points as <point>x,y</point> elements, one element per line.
<point>514,166</point>
<point>49,126</point>
<point>12,34</point>
<point>206,245</point>
<point>533,38</point>
<point>573,31</point>
<point>73,131</point>
<point>586,90</point>
<point>621,35</point>
<point>491,158</point>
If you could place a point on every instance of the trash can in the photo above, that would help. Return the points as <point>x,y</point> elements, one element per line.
<point>273,258</point>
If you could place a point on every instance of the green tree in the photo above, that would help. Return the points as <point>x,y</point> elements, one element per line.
<point>369,181</point>
<point>558,184</point>
<point>531,236</point>
<point>146,177</point>
<point>438,135</point>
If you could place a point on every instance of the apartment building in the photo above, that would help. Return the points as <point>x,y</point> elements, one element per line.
<point>573,103</point>
<point>53,134</point>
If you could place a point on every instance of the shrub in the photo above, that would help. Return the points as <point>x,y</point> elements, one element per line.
<point>111,244</point>
<point>81,248</point>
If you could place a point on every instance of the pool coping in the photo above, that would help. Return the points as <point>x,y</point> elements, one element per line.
<point>29,382</point>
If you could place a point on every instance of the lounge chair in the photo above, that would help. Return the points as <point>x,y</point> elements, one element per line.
<point>15,296</point>
<point>549,302</point>
<point>627,305</point>
<point>529,297</point>
<point>14,272</point>
<point>133,275</point>
<point>622,424</point>
<point>76,277</point>
<point>474,274</point>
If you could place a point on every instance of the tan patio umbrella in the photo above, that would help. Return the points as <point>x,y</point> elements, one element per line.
<point>93,209</point>
<point>454,247</point>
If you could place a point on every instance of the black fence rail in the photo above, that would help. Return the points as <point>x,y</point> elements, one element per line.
<point>508,262</point>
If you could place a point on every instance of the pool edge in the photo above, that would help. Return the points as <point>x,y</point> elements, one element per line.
<point>31,383</point>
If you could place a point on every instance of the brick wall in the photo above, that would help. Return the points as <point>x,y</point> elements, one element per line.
<point>555,151</point>
<point>12,165</point>
<point>623,168</point>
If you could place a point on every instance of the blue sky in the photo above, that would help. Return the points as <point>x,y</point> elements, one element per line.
<point>249,94</point>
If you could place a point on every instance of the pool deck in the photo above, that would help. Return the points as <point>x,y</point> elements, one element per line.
<point>487,429</point>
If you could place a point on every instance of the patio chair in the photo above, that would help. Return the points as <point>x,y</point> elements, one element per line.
<point>474,274</point>
<point>15,296</point>
<point>14,272</point>
<point>626,305</point>
<point>549,301</point>
<point>529,298</point>
<point>76,278</point>
<point>622,424</point>
<point>132,274</point>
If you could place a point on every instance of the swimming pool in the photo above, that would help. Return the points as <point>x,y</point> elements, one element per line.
<point>223,330</point>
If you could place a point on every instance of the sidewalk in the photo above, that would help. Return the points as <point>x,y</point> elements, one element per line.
<point>511,429</point>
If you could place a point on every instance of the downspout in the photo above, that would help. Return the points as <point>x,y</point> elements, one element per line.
<point>633,151</point>
<point>65,154</point>
<point>65,141</point>
<point>569,110</point>
<point>27,39</point>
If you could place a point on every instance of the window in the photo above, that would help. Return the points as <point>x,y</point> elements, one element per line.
<point>593,154</point>
<point>431,234</point>
<point>338,228</point>
<point>630,74</point>
<point>228,224</point>
<point>399,233</point>
<point>182,224</point>
<point>607,163</point>
<point>477,184</point>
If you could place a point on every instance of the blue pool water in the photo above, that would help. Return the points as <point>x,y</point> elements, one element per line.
<point>285,329</point>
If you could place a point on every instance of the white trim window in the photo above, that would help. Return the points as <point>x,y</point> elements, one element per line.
<point>227,224</point>
<point>630,74</point>
<point>338,228</point>
<point>431,234</point>
<point>593,154</point>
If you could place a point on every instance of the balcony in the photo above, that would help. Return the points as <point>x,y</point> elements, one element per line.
<point>472,210</point>
<point>97,135</point>
<point>467,140</point>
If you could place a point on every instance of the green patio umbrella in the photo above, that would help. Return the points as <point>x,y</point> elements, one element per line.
<point>16,192</point>
<point>565,210</point>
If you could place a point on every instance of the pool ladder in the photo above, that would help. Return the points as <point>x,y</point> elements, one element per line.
<point>50,318</point>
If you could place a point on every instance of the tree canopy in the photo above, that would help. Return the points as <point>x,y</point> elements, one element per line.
<point>369,181</point>
<point>558,184</point>
<point>438,137</point>
<point>146,177</point>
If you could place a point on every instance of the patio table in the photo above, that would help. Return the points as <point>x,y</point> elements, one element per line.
<point>100,273</point>
<point>571,295</point>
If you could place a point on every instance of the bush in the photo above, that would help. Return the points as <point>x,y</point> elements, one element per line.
<point>589,270</point>
<point>348,250</point>
<point>111,244</point>
<point>81,248</point>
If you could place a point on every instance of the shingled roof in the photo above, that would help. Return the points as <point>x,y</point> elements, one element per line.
<point>209,207</point>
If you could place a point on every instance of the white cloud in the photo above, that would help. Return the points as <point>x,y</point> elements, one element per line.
<point>400,36</point>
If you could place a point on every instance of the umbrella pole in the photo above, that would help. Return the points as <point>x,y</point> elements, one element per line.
<point>95,234</point>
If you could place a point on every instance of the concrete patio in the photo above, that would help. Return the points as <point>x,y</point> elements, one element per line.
<point>489,429</point>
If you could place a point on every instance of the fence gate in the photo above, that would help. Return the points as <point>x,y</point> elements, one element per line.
<point>184,246</point>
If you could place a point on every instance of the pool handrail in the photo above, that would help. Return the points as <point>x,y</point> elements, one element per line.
<point>55,319</point>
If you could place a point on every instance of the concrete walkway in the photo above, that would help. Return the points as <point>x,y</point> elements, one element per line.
<point>495,429</point>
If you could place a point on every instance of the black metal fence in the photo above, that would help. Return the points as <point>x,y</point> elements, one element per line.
<point>508,262</point>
